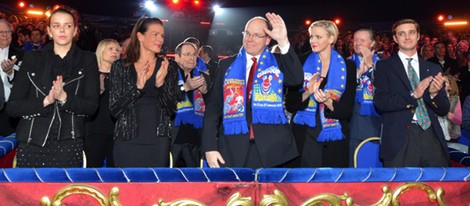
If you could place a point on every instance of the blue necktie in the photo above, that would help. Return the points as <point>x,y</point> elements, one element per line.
<point>421,112</point>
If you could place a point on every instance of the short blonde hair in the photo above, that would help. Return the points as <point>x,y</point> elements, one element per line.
<point>329,26</point>
<point>101,46</point>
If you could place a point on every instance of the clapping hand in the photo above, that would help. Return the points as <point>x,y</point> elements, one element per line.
<point>7,65</point>
<point>436,84</point>
<point>142,76</point>
<point>314,83</point>
<point>162,72</point>
<point>367,61</point>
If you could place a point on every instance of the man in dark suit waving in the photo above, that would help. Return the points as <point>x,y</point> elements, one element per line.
<point>245,124</point>
<point>409,94</point>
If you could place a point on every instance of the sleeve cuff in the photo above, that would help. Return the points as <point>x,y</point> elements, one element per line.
<point>285,48</point>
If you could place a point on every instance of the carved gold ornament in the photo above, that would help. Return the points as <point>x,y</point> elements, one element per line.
<point>237,200</point>
<point>432,195</point>
<point>278,199</point>
<point>83,190</point>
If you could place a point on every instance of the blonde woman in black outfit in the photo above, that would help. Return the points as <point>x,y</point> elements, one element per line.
<point>143,98</point>
<point>98,143</point>
<point>55,89</point>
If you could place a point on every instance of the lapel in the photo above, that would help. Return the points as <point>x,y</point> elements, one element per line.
<point>400,70</point>
<point>423,69</point>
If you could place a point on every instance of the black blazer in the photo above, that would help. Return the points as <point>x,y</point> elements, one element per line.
<point>31,87</point>
<point>275,143</point>
<point>393,100</point>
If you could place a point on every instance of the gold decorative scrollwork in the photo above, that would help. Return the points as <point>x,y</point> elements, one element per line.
<point>331,199</point>
<point>237,200</point>
<point>82,190</point>
<point>432,195</point>
<point>278,199</point>
<point>180,203</point>
<point>386,197</point>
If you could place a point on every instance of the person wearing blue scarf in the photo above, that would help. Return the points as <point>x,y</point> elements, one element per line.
<point>186,132</point>
<point>322,106</point>
<point>365,121</point>
<point>250,129</point>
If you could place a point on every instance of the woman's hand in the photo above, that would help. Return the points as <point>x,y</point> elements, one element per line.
<point>142,76</point>
<point>162,72</point>
<point>58,89</point>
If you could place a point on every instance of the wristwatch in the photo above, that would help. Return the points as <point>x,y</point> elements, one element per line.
<point>61,103</point>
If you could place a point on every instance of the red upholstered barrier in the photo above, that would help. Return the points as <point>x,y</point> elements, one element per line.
<point>224,193</point>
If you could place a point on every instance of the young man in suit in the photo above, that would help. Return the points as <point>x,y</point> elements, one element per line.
<point>410,94</point>
<point>250,129</point>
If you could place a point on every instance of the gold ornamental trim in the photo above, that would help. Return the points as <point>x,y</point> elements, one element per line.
<point>182,202</point>
<point>278,199</point>
<point>431,193</point>
<point>238,200</point>
<point>235,200</point>
<point>331,199</point>
<point>82,190</point>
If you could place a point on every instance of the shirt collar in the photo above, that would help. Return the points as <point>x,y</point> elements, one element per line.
<point>404,57</point>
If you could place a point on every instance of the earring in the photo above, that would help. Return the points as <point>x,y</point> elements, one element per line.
<point>50,36</point>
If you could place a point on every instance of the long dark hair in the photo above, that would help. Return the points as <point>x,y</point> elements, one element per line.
<point>133,51</point>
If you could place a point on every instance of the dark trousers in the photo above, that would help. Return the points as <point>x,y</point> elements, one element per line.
<point>318,154</point>
<point>98,148</point>
<point>253,159</point>
<point>185,155</point>
<point>421,149</point>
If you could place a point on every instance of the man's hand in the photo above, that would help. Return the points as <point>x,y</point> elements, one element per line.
<point>194,83</point>
<point>367,61</point>
<point>436,84</point>
<point>7,66</point>
<point>422,86</point>
<point>213,158</point>
<point>279,32</point>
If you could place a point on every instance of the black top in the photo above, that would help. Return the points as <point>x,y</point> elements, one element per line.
<point>102,122</point>
<point>147,111</point>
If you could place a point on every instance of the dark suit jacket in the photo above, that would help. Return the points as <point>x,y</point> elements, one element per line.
<point>275,143</point>
<point>393,100</point>
<point>450,65</point>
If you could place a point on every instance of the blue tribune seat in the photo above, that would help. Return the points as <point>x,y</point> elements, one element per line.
<point>367,153</point>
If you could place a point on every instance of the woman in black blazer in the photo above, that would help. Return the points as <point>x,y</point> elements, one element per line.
<point>323,104</point>
<point>54,90</point>
<point>143,96</point>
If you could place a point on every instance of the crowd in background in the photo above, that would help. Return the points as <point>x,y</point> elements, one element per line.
<point>453,45</point>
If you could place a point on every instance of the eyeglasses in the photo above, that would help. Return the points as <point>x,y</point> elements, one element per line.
<point>189,54</point>
<point>255,36</point>
<point>5,32</point>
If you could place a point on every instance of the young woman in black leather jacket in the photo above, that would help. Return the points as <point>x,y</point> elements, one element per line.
<point>55,89</point>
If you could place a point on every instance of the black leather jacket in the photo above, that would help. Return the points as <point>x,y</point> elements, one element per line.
<point>124,93</point>
<point>32,85</point>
